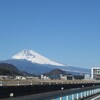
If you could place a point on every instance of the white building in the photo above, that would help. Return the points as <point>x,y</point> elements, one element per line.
<point>95,73</point>
<point>45,77</point>
<point>20,77</point>
<point>87,77</point>
<point>6,77</point>
<point>66,77</point>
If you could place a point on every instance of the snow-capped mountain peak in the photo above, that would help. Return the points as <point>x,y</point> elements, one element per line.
<point>34,57</point>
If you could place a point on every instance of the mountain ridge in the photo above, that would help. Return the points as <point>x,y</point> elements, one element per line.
<point>24,62</point>
<point>9,69</point>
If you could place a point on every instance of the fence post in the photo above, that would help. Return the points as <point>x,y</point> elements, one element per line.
<point>72,96</point>
<point>60,98</point>
<point>66,97</point>
<point>77,96</point>
<point>81,95</point>
<point>18,83</point>
<point>0,83</point>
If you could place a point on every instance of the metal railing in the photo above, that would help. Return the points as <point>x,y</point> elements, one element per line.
<point>80,95</point>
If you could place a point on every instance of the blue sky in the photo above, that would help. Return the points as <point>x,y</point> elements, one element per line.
<point>67,31</point>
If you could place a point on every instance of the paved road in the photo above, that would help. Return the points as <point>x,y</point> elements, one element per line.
<point>96,97</point>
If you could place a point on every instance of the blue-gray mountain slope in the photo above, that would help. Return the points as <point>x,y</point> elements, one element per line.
<point>35,68</point>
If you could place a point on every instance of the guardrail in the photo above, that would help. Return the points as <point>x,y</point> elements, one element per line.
<point>79,95</point>
<point>71,90</point>
<point>38,81</point>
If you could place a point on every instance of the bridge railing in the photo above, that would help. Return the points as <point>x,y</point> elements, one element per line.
<point>79,95</point>
<point>12,82</point>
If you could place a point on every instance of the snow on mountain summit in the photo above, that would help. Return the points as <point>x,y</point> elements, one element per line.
<point>34,57</point>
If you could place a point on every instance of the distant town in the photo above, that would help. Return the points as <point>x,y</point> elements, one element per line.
<point>53,77</point>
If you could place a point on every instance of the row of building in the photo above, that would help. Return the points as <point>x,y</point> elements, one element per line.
<point>2,77</point>
<point>95,74</point>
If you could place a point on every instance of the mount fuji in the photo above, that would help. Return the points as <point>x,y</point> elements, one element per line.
<point>34,57</point>
<point>32,62</point>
